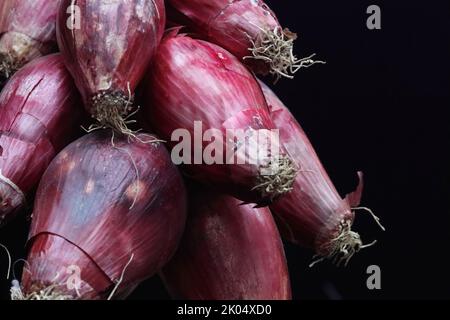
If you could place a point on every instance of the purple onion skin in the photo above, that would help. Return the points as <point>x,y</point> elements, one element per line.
<point>232,25</point>
<point>53,260</point>
<point>228,252</point>
<point>87,199</point>
<point>111,50</point>
<point>192,80</point>
<point>39,115</point>
<point>311,214</point>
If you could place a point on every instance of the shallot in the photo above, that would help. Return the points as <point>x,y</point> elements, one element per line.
<point>27,31</point>
<point>228,252</point>
<point>39,115</point>
<point>249,29</point>
<point>107,52</point>
<point>313,214</point>
<point>105,218</point>
<point>201,96</point>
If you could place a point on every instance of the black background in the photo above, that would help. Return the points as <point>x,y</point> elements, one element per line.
<point>379,105</point>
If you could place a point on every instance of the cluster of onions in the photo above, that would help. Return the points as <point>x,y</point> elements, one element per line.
<point>111,207</point>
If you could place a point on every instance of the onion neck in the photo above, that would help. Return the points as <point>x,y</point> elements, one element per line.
<point>276,49</point>
<point>46,293</point>
<point>342,247</point>
<point>16,49</point>
<point>276,178</point>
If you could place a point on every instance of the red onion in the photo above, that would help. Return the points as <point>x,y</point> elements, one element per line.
<point>106,208</point>
<point>27,31</point>
<point>192,80</point>
<point>39,115</point>
<point>228,252</point>
<point>109,52</point>
<point>246,28</point>
<point>313,214</point>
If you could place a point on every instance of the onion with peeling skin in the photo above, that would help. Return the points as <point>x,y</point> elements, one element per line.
<point>229,251</point>
<point>313,214</point>
<point>109,53</point>
<point>192,80</point>
<point>247,28</point>
<point>105,219</point>
<point>27,31</point>
<point>39,115</point>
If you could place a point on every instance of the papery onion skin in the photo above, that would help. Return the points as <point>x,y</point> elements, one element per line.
<point>313,214</point>
<point>192,80</point>
<point>39,115</point>
<point>109,52</point>
<point>249,29</point>
<point>229,251</point>
<point>27,31</point>
<point>107,207</point>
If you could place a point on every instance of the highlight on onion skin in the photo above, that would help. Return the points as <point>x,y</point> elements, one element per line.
<point>39,115</point>
<point>229,251</point>
<point>27,31</point>
<point>249,29</point>
<point>109,51</point>
<point>105,219</point>
<point>195,81</point>
<point>313,214</point>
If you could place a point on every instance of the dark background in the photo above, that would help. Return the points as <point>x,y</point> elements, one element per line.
<point>379,105</point>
